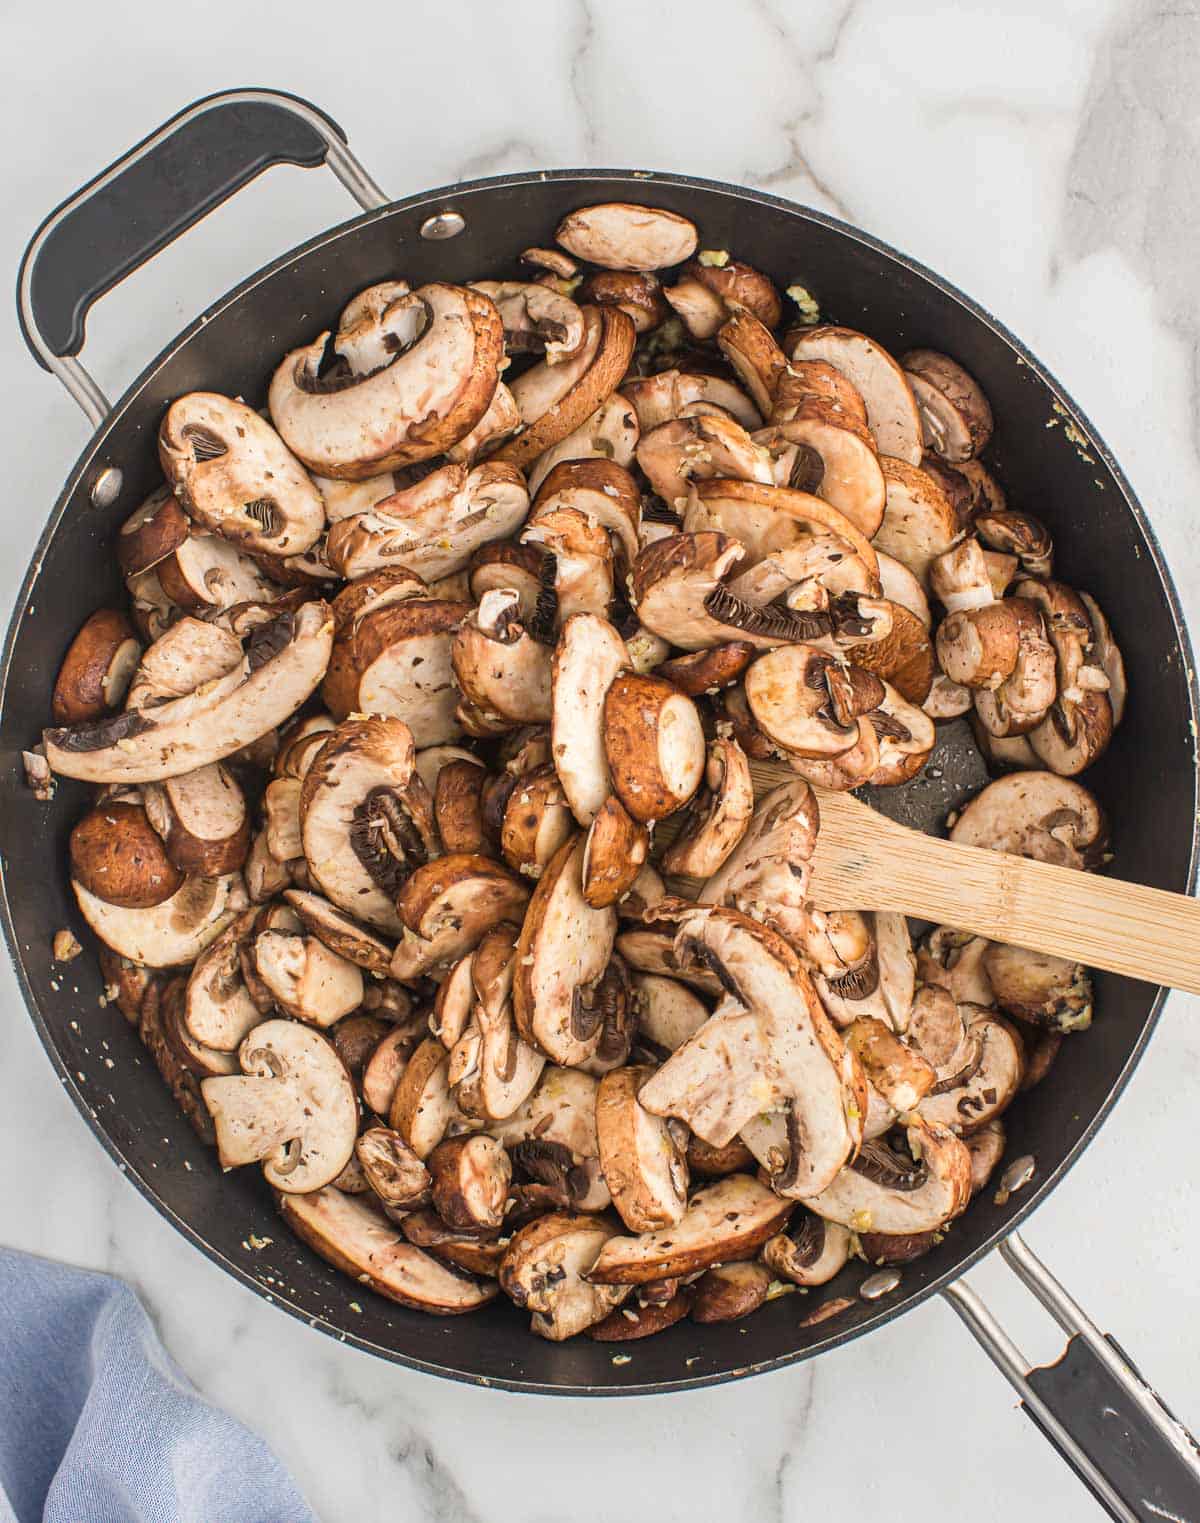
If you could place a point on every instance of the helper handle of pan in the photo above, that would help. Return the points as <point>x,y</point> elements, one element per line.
<point>1137,1459</point>
<point>152,194</point>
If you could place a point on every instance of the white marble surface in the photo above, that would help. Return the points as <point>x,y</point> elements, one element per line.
<point>1047,158</point>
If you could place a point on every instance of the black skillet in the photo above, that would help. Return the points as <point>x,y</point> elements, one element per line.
<point>1101,1416</point>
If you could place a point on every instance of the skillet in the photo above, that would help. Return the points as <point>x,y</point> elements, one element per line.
<point>1105,1420</point>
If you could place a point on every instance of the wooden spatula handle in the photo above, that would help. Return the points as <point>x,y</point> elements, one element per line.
<point>1141,932</point>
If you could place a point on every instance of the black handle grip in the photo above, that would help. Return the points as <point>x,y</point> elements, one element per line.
<point>151,195</point>
<point>1151,1475</point>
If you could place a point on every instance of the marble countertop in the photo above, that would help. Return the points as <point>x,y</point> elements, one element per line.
<point>1045,159</point>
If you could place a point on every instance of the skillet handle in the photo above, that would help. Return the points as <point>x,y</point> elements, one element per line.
<point>1137,1459</point>
<point>148,197</point>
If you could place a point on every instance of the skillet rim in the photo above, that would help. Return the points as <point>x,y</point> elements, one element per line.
<point>636,181</point>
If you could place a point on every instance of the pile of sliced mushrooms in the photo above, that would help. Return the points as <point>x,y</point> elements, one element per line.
<point>506,576</point>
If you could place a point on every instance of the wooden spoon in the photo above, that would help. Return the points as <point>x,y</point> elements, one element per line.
<point>864,861</point>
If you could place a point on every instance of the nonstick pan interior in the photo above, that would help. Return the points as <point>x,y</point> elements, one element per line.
<point>1046,458</point>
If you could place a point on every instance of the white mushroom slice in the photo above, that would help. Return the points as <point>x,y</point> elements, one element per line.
<point>283,663</point>
<point>385,1067</point>
<point>654,952</point>
<point>500,422</point>
<point>430,394</point>
<point>919,523</point>
<point>954,961</point>
<point>233,473</point>
<point>371,593</point>
<point>783,829</point>
<point>498,666</point>
<point>543,1272</point>
<point>340,932</point>
<point>659,398</point>
<point>293,1108</point>
<point>810,1251</point>
<point>644,1167</point>
<point>537,319</point>
<point>208,571</point>
<point>890,964</point>
<point>892,414</point>
<point>619,236</point>
<point>1047,991</point>
<point>309,982</point>
<point>1039,815</point>
<point>537,820</point>
<point>901,1076</point>
<point>422,1106</point>
<point>563,952</point>
<point>366,819</point>
<point>150,608</point>
<point>719,817</point>
<point>614,851</point>
<point>906,738</point>
<point>956,420</point>
<point>961,578</point>
<point>172,933</point>
<point>820,449</point>
<point>343,499</point>
<point>447,907</point>
<point>723,1222</point>
<point>508,1067</point>
<point>1001,529</point>
<point>899,585</point>
<point>392,1169</point>
<point>555,399</point>
<point>668,1012</point>
<point>435,526</point>
<point>202,819</point>
<point>600,489</point>
<point>978,647</point>
<point>375,325</point>
<point>589,655</point>
<point>396,662</point>
<point>355,1238</point>
<point>991,1082</point>
<point>1074,735</point>
<point>471,1176</point>
<point>881,1192</point>
<point>809,703</point>
<point>265,875</point>
<point>697,448</point>
<point>654,745</point>
<point>720,1077</point>
<point>767,519</point>
<point>218,1010</point>
<point>190,654</point>
<point>452,1008</point>
<point>950,700</point>
<point>1107,654</point>
<point>609,433</point>
<point>800,1062</point>
<point>432,759</point>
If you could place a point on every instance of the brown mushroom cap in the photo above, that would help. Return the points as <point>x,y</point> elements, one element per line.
<point>340,932</point>
<point>728,1292</point>
<point>543,1271</point>
<point>385,1067</point>
<point>625,1324</point>
<point>661,397</point>
<point>956,420</point>
<point>978,647</point>
<point>97,668</point>
<point>904,657</point>
<point>614,850</point>
<point>393,1170</point>
<point>644,1167</point>
<point>117,856</point>
<point>471,1176</point>
<point>154,530</point>
<point>447,907</point>
<point>639,295</point>
<point>654,745</point>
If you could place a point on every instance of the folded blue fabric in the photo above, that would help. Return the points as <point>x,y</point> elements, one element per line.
<point>98,1426</point>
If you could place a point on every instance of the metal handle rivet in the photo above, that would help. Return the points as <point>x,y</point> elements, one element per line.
<point>882,1283</point>
<point>443,225</point>
<point>107,487</point>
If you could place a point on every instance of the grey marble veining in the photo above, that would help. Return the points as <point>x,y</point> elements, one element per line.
<point>1045,158</point>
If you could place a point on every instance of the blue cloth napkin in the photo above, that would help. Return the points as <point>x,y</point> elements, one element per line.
<point>98,1426</point>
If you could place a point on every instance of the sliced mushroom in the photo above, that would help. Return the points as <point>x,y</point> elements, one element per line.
<point>950,700</point>
<point>600,489</point>
<point>810,1251</point>
<point>821,449</point>
<point>904,656</point>
<point>1107,655</point>
<point>125,983</point>
<point>719,817</point>
<point>340,932</point>
<point>1019,534</point>
<point>1039,815</point>
<point>885,1192</point>
<point>202,819</point>
<point>638,294</point>
<point>1021,701</point>
<point>154,530</point>
<point>308,980</point>
<point>698,448</point>
<point>422,1106</point>
<point>563,952</point>
<point>434,526</point>
<point>919,522</point>
<point>707,293</point>
<point>357,1239</point>
<point>664,396</point>
<point>781,836</point>
<point>508,1068</point>
<point>499,667</point>
<point>292,1108</point>
<point>576,574</point>
<point>233,473</point>
<point>610,433</point>
<point>97,668</point>
<point>724,1222</point>
<point>961,578</point>
<point>1050,992</point>
<point>809,703</point>
<point>668,1013</point>
<point>901,1076</point>
<point>441,347</point>
<point>653,952</point>
<point>707,671</point>
<point>991,1081</point>
<point>385,1067</point>
<point>448,905</point>
<point>619,236</point>
<point>478,1253</point>
<point>553,1137</point>
<point>470,1178</point>
<point>284,661</point>
<point>817,381</point>
<point>892,414</point>
<point>654,745</point>
<point>537,319</point>
<point>614,850</point>
<point>172,933</point>
<point>589,655</point>
<point>536,821</point>
<point>750,348</point>
<point>1073,735</point>
<point>208,572</point>
<point>954,960</point>
<point>393,1170</point>
<point>218,1009</point>
<point>366,819</point>
<point>728,1292</point>
<point>899,585</point>
<point>769,519</point>
<point>956,421</point>
<point>906,738</point>
<point>458,804</point>
<point>625,1324</point>
<point>643,1165</point>
<point>543,1272</point>
<point>978,647</point>
<point>117,856</point>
